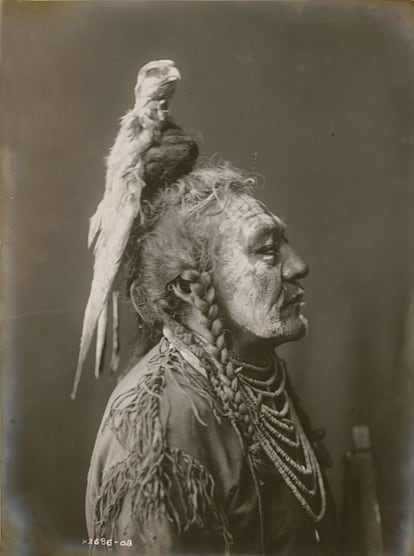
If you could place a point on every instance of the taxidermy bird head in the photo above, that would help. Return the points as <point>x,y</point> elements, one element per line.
<point>155,86</point>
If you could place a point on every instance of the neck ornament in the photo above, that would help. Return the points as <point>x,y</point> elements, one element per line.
<point>282,438</point>
<point>249,367</point>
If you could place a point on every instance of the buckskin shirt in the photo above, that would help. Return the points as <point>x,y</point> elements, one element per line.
<point>170,474</point>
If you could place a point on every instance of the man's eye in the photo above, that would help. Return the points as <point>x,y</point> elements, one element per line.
<point>269,250</point>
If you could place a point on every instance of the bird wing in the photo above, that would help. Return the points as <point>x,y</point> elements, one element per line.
<point>94,226</point>
<point>111,225</point>
<point>101,339</point>
<point>116,224</point>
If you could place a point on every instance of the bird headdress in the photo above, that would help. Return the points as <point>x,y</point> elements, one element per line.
<point>128,174</point>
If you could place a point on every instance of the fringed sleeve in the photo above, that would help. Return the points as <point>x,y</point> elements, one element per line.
<point>144,488</point>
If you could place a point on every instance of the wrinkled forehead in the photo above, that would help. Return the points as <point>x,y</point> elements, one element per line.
<point>249,214</point>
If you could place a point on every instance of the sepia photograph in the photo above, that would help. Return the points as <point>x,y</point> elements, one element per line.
<point>207,278</point>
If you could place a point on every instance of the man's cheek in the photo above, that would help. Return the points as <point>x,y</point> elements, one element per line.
<point>240,281</point>
<point>243,302</point>
<point>263,284</point>
<point>267,287</point>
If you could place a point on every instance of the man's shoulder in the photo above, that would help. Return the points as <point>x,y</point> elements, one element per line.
<point>164,384</point>
<point>133,376</point>
<point>165,379</point>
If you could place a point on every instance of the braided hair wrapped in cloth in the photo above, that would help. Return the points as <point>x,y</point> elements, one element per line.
<point>203,447</point>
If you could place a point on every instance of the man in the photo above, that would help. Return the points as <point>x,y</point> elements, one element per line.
<point>203,447</point>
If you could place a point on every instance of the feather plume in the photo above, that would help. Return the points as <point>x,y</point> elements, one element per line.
<point>115,332</point>
<point>101,339</point>
<point>111,225</point>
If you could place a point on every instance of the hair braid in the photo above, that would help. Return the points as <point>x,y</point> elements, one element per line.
<point>224,381</point>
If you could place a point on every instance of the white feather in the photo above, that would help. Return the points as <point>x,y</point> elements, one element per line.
<point>112,222</point>
<point>100,339</point>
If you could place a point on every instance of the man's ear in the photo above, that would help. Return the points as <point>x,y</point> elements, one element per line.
<point>182,290</point>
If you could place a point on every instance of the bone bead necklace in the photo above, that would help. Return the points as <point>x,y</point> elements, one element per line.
<point>283,440</point>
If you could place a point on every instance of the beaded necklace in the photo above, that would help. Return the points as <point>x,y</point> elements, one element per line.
<point>283,440</point>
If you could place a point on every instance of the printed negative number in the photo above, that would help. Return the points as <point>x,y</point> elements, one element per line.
<point>107,542</point>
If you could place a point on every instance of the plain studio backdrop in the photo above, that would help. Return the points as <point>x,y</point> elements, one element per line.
<point>317,98</point>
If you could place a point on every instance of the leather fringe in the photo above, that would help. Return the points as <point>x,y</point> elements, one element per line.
<point>163,481</point>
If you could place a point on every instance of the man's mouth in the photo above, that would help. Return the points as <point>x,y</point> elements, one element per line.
<point>294,298</point>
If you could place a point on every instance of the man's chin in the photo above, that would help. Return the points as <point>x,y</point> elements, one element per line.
<point>275,332</point>
<point>293,330</point>
<point>299,332</point>
<point>304,324</point>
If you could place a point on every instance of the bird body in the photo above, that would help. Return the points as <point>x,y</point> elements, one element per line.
<point>111,225</point>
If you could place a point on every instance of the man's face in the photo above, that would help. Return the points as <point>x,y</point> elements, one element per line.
<point>257,273</point>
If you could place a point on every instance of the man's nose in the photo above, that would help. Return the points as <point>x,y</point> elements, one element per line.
<point>293,266</point>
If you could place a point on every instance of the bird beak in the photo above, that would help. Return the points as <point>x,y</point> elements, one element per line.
<point>173,75</point>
